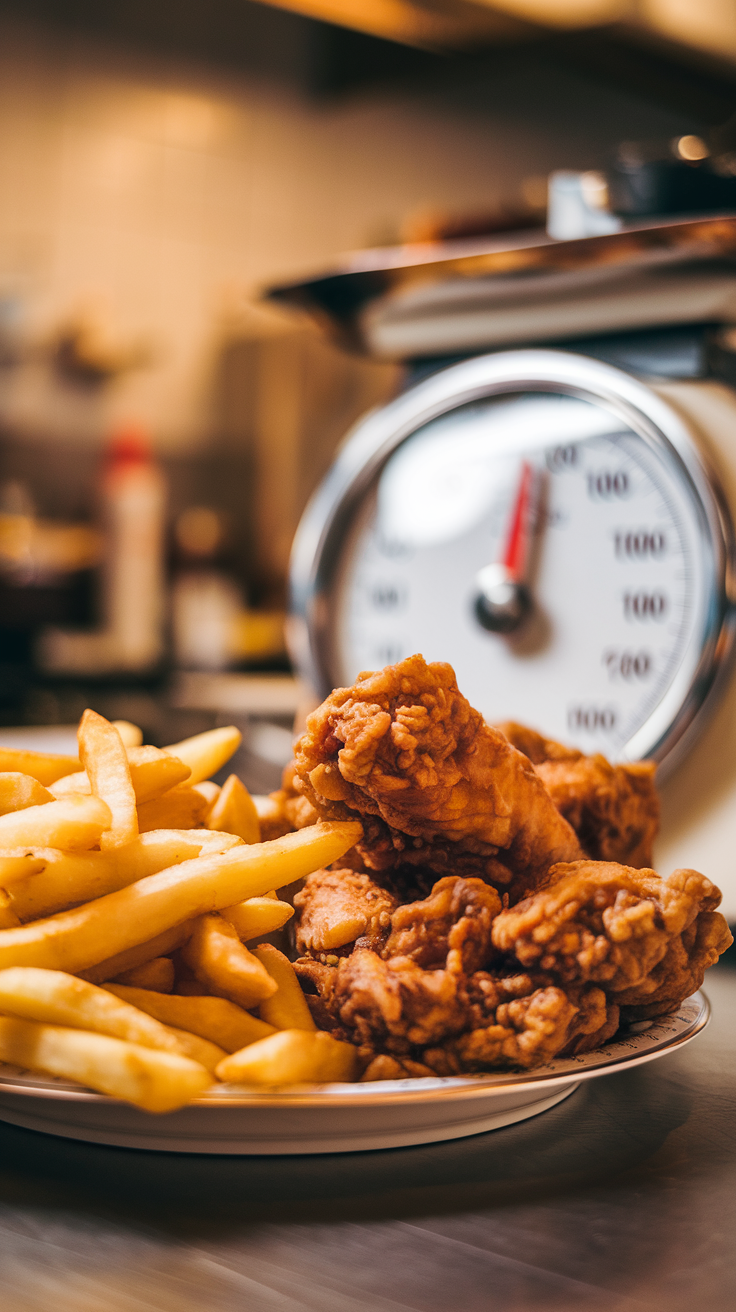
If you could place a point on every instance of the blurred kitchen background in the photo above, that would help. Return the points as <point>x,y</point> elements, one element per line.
<point>161,425</point>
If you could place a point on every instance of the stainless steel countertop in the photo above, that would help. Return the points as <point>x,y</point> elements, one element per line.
<point>623,1197</point>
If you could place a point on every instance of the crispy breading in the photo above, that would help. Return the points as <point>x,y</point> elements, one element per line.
<point>432,1020</point>
<point>336,907</point>
<point>384,1067</point>
<point>317,979</point>
<point>527,1032</point>
<point>525,1020</point>
<point>535,746</point>
<point>602,922</point>
<point>595,1022</point>
<point>395,1004</point>
<point>559,967</point>
<point>424,1002</point>
<point>681,970</point>
<point>456,918</point>
<point>614,809</point>
<point>432,783</point>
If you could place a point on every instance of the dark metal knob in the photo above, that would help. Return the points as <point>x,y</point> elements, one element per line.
<point>502,603</point>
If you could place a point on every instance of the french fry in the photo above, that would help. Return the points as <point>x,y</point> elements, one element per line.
<point>158,974</point>
<point>132,958</point>
<point>216,1019</point>
<point>235,813</point>
<point>43,766</point>
<point>191,1045</point>
<point>217,957</point>
<point>131,735</point>
<point>62,879</point>
<point>257,916</point>
<point>180,808</point>
<point>105,760</point>
<point>287,1008</point>
<point>55,998</point>
<point>271,819</point>
<point>18,791</point>
<point>78,939</point>
<point>213,842</point>
<point>210,791</point>
<point>71,785</point>
<point>291,1057</point>
<point>73,823</point>
<point>15,866</point>
<point>155,1081</point>
<point>152,773</point>
<point>8,917</point>
<point>206,753</point>
<point>59,879</point>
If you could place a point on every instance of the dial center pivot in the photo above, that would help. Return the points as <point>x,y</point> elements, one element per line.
<point>503,603</point>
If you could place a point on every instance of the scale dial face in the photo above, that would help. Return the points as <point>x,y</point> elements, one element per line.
<point>625,553</point>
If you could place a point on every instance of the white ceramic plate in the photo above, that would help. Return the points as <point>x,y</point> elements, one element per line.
<point>336,1118</point>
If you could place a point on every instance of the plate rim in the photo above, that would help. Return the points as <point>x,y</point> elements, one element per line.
<point>380,1093</point>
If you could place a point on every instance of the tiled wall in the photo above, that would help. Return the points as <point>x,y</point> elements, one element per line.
<point>157,196</point>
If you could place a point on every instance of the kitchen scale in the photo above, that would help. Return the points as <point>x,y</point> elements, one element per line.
<point>558,527</point>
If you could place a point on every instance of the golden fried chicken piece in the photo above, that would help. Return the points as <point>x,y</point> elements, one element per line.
<point>614,809</point>
<point>526,1032</point>
<point>681,970</point>
<point>384,1067</point>
<point>424,1006</point>
<point>455,919</point>
<point>395,1004</point>
<point>535,746</point>
<point>336,907</point>
<point>604,923</point>
<point>595,1022</point>
<point>432,783</point>
<point>525,1020</point>
<point>390,999</point>
<point>433,1019</point>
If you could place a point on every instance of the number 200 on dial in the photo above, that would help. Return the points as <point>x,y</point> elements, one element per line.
<point>548,490</point>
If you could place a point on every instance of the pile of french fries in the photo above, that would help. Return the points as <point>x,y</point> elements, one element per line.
<point>130,885</point>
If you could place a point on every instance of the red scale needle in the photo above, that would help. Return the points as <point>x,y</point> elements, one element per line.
<point>503,599</point>
<point>517,543</point>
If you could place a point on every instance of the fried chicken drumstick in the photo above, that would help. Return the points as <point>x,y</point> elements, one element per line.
<point>433,784</point>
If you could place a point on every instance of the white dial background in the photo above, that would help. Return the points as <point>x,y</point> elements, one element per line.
<point>619,579</point>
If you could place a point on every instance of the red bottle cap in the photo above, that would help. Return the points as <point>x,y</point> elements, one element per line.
<point>128,445</point>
